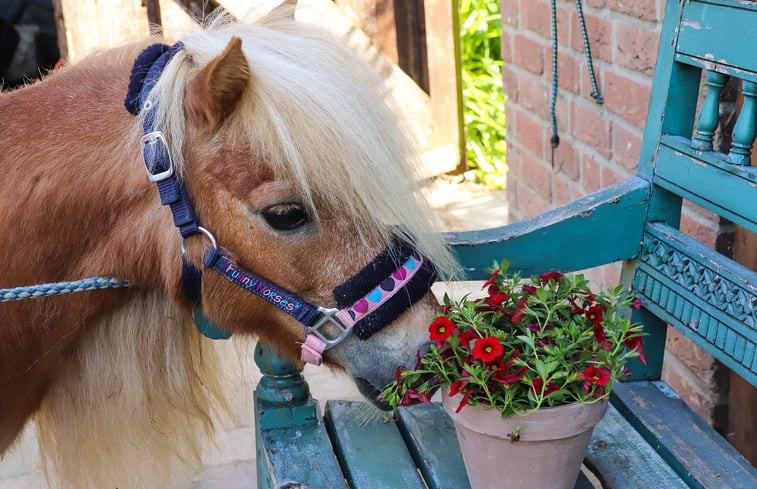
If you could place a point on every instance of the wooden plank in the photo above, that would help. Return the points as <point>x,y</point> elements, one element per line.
<point>673,85</point>
<point>707,64</point>
<point>444,65</point>
<point>707,180</point>
<point>175,20</point>
<point>706,296</point>
<point>622,459</point>
<point>718,31</point>
<point>297,455</point>
<point>410,27</point>
<point>576,236</point>
<point>696,452</point>
<point>370,448</point>
<point>94,25</point>
<point>430,435</point>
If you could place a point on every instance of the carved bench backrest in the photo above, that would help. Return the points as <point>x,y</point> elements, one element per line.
<point>706,296</point>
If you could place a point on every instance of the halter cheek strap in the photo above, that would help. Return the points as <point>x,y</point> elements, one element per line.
<point>403,275</point>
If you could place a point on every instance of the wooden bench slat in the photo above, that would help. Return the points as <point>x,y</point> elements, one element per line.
<point>624,460</point>
<point>430,435</point>
<point>724,34</point>
<point>703,177</point>
<point>698,454</point>
<point>371,451</point>
<point>297,454</point>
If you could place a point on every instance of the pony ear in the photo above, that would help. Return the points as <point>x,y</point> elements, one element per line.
<point>283,11</point>
<point>215,92</point>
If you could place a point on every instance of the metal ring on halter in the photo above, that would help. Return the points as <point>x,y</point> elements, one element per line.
<point>203,231</point>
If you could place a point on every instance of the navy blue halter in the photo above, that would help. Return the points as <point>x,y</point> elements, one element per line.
<point>146,71</point>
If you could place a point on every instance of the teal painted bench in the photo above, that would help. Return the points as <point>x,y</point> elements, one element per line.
<point>649,437</point>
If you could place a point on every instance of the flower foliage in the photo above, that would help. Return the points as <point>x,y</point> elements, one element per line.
<point>527,344</point>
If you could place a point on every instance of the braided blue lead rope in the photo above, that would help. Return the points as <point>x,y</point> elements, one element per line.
<point>58,288</point>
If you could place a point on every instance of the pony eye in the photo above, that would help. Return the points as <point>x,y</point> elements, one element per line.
<point>286,217</point>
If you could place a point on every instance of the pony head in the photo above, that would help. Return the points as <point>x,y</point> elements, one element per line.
<point>295,161</point>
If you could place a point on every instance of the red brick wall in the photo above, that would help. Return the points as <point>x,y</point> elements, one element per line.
<point>599,144</point>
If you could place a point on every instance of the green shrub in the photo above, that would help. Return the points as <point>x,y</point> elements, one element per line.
<point>483,99</point>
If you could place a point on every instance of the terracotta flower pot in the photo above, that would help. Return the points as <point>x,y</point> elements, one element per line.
<point>553,442</point>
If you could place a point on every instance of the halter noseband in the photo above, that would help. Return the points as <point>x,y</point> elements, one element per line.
<point>367,302</point>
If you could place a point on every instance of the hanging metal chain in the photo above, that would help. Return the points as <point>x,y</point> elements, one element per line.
<point>555,139</point>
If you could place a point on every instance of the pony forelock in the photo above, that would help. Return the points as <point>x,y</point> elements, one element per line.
<point>317,114</point>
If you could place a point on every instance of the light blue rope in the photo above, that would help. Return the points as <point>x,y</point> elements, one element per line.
<point>58,288</point>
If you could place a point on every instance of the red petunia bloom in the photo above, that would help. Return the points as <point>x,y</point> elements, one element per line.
<point>463,402</point>
<point>457,386</point>
<point>487,349</point>
<point>594,376</point>
<point>495,300</point>
<point>599,333</point>
<point>538,385</point>
<point>550,276</point>
<point>594,314</point>
<point>508,378</point>
<point>413,394</point>
<point>491,280</point>
<point>466,337</point>
<point>529,289</point>
<point>518,314</point>
<point>635,342</point>
<point>441,328</point>
<point>636,304</point>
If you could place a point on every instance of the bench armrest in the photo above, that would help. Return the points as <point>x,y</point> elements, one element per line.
<point>603,227</point>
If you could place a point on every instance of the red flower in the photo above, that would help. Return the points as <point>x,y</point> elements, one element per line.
<point>491,279</point>
<point>398,373</point>
<point>509,378</point>
<point>636,304</point>
<point>529,289</point>
<point>457,386</point>
<point>518,314</point>
<point>594,314</point>
<point>594,376</point>
<point>538,385</point>
<point>599,333</point>
<point>495,300</point>
<point>487,349</point>
<point>550,276</point>
<point>635,342</point>
<point>466,337</point>
<point>441,328</point>
<point>413,394</point>
<point>463,402</point>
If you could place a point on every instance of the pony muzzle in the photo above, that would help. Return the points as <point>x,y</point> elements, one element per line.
<point>365,312</point>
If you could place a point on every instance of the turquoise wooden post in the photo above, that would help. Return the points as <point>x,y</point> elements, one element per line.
<point>289,432</point>
<point>282,394</point>
<point>746,127</point>
<point>708,116</point>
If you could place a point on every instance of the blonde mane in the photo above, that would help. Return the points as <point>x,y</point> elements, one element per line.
<point>317,112</point>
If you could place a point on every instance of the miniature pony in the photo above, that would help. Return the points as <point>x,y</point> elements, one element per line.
<point>291,157</point>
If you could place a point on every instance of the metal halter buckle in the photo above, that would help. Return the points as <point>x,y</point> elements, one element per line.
<point>155,137</point>
<point>328,316</point>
